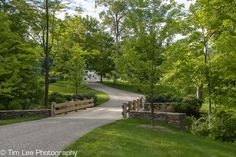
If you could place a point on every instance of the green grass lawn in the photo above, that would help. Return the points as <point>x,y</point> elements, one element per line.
<point>124,85</point>
<point>65,87</point>
<point>125,138</point>
<point>18,120</point>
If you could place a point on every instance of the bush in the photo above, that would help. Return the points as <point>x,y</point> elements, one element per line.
<point>2,107</point>
<point>219,126</point>
<point>189,105</point>
<point>15,105</point>
<point>85,96</point>
<point>52,80</point>
<point>164,98</point>
<point>60,98</point>
<point>57,97</point>
<point>189,122</point>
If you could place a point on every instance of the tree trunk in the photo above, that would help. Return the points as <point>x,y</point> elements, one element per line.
<point>76,86</point>
<point>199,93</point>
<point>46,58</point>
<point>206,61</point>
<point>209,96</point>
<point>101,76</point>
<point>152,113</point>
<point>117,39</point>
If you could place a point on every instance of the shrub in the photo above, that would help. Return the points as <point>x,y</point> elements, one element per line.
<point>219,126</point>
<point>85,96</point>
<point>2,107</point>
<point>15,105</point>
<point>189,105</point>
<point>52,80</point>
<point>57,97</point>
<point>189,122</point>
<point>60,98</point>
<point>164,98</point>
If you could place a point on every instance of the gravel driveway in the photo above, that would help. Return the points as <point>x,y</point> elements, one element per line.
<point>55,133</point>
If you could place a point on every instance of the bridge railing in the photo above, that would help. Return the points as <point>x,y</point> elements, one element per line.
<point>70,106</point>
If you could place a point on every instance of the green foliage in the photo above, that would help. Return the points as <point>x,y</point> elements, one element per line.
<point>18,78</point>
<point>163,98</point>
<point>66,88</point>
<point>218,126</point>
<point>60,98</point>
<point>15,105</point>
<point>99,45</point>
<point>149,27</point>
<point>205,57</point>
<point>189,105</point>
<point>2,107</point>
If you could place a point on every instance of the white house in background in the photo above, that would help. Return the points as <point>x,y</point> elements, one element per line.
<point>91,75</point>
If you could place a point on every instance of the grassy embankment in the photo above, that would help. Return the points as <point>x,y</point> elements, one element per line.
<point>127,138</point>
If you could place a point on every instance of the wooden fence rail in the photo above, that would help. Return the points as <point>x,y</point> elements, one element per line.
<point>71,106</point>
<point>134,105</point>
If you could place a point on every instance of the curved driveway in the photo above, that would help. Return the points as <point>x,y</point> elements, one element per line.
<point>55,133</point>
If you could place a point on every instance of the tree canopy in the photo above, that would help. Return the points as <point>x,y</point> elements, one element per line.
<point>153,43</point>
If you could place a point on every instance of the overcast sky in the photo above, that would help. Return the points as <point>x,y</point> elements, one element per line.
<point>90,9</point>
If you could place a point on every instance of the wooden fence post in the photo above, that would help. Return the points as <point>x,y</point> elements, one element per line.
<point>52,108</point>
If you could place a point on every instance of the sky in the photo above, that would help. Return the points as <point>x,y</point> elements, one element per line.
<point>89,7</point>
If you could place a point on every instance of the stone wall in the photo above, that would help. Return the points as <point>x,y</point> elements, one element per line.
<point>7,114</point>
<point>176,119</point>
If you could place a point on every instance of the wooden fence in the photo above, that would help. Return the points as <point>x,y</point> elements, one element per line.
<point>71,106</point>
<point>134,105</point>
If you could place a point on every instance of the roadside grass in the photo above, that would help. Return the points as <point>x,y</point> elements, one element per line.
<point>19,120</point>
<point>125,85</point>
<point>136,88</point>
<point>66,88</point>
<point>125,138</point>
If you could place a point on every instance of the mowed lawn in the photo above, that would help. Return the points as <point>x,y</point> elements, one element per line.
<point>126,138</point>
<point>66,87</point>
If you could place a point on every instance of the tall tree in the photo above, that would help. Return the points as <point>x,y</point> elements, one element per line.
<point>152,25</point>
<point>46,58</point>
<point>99,45</point>
<point>113,17</point>
<point>197,59</point>
<point>19,78</point>
<point>70,62</point>
<point>42,31</point>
